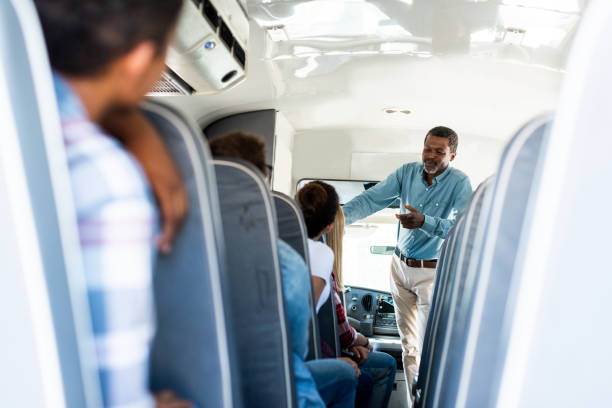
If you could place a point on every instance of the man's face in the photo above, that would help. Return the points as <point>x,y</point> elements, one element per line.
<point>436,155</point>
<point>141,68</point>
<point>136,86</point>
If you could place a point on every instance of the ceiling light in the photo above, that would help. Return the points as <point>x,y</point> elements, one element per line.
<point>391,111</point>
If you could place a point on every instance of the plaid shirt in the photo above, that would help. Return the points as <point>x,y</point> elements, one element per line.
<point>117,223</point>
<point>348,335</point>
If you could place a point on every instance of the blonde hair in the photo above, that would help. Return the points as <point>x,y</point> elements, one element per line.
<point>334,240</point>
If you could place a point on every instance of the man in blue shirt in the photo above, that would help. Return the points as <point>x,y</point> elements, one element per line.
<point>431,195</point>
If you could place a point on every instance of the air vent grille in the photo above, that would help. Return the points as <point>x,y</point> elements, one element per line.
<point>226,35</point>
<point>211,13</point>
<point>223,31</point>
<point>239,54</point>
<point>171,84</point>
<point>366,302</point>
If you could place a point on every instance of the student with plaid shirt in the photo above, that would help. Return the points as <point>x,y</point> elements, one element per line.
<point>106,56</point>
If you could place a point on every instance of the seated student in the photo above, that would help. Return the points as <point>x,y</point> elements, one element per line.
<point>381,366</point>
<point>319,204</point>
<point>334,381</point>
<point>106,56</point>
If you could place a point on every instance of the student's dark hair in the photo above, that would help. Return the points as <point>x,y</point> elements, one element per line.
<point>319,203</point>
<point>448,133</point>
<point>241,145</point>
<point>84,36</point>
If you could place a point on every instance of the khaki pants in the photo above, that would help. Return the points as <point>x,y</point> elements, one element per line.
<point>411,290</point>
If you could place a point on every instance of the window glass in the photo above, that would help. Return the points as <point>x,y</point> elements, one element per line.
<point>360,266</point>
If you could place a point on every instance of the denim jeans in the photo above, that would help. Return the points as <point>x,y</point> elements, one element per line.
<point>336,382</point>
<point>381,367</point>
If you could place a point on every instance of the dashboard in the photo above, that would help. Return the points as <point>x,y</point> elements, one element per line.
<point>370,312</point>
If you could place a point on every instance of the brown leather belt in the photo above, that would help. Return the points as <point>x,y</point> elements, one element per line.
<point>417,263</point>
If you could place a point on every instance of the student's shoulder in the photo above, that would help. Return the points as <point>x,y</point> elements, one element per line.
<point>106,161</point>
<point>289,256</point>
<point>104,173</point>
<point>320,250</point>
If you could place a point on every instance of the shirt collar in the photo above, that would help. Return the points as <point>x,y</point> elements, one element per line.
<point>70,106</point>
<point>438,179</point>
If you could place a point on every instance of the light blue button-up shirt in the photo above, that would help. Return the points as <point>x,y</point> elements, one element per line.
<point>441,202</point>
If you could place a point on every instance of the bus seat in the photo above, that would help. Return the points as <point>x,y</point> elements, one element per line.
<point>193,350</point>
<point>328,324</point>
<point>558,332</point>
<point>457,277</point>
<point>473,341</point>
<point>492,292</point>
<point>250,228</point>
<point>46,349</point>
<point>439,302</point>
<point>292,229</point>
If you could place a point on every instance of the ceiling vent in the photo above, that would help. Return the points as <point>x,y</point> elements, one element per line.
<point>171,84</point>
<point>366,302</point>
<point>209,52</point>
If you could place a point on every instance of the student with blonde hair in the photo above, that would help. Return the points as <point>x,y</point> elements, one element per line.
<point>334,240</point>
<point>323,215</point>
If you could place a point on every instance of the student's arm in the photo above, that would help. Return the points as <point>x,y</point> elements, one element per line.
<point>440,226</point>
<point>168,399</point>
<point>375,199</point>
<point>318,284</point>
<point>138,135</point>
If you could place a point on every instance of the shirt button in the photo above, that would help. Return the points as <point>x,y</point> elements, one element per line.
<point>437,204</point>
<point>420,205</point>
<point>426,189</point>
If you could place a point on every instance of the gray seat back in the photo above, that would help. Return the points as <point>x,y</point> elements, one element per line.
<point>438,308</point>
<point>559,326</point>
<point>476,343</point>
<point>193,349</point>
<point>328,324</point>
<point>259,319</point>
<point>46,350</point>
<point>292,230</point>
<point>466,238</point>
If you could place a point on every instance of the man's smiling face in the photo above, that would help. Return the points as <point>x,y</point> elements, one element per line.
<point>436,155</point>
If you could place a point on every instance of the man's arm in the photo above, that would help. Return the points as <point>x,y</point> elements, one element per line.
<point>138,136</point>
<point>440,226</point>
<point>375,199</point>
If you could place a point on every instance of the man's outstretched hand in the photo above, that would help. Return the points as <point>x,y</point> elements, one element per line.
<point>412,220</point>
<point>137,134</point>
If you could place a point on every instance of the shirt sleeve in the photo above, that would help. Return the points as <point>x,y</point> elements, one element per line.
<point>296,294</point>
<point>439,227</point>
<point>117,223</point>
<point>321,261</point>
<point>375,199</point>
<point>118,260</point>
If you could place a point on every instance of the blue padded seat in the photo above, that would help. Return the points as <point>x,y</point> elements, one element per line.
<point>250,228</point>
<point>477,292</point>
<point>292,230</point>
<point>456,282</point>
<point>193,349</point>
<point>492,293</point>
